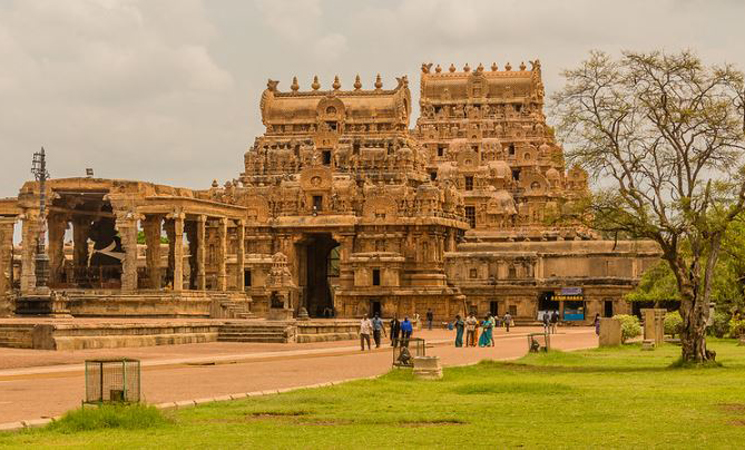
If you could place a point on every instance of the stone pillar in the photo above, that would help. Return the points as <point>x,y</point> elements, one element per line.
<point>190,229</point>
<point>610,332</point>
<point>56,224</point>
<point>29,231</point>
<point>222,254</point>
<point>201,257</point>
<point>126,224</point>
<point>654,325</point>
<point>152,228</point>
<point>178,251</point>
<point>240,254</point>
<point>81,227</point>
<point>7,225</point>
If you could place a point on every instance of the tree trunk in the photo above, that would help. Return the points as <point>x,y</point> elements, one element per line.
<point>693,332</point>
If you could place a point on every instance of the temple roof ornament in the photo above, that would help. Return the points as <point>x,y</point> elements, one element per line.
<point>311,112</point>
<point>494,67</point>
<point>378,82</point>
<point>294,86</point>
<point>508,67</point>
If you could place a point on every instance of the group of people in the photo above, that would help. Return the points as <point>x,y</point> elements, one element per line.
<point>476,332</point>
<point>471,328</point>
<point>550,321</point>
<point>400,331</point>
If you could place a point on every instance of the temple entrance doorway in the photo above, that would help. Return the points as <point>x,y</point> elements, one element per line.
<point>376,308</point>
<point>546,302</point>
<point>321,269</point>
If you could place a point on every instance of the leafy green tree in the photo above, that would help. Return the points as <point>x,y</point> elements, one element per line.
<point>665,134</point>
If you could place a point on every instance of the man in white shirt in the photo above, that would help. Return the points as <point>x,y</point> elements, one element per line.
<point>366,329</point>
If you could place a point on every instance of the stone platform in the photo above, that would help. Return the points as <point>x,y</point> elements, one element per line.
<point>80,334</point>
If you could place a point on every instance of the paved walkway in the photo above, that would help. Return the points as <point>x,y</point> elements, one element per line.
<point>29,390</point>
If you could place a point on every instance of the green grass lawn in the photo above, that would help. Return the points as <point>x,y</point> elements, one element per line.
<point>606,398</point>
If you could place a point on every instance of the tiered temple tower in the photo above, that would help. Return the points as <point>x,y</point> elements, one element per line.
<point>485,132</point>
<point>337,184</point>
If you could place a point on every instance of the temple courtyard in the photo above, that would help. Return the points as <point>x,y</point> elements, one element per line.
<point>618,397</point>
<point>43,384</point>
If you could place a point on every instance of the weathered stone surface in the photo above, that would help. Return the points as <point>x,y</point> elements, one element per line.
<point>427,367</point>
<point>654,325</point>
<point>610,332</point>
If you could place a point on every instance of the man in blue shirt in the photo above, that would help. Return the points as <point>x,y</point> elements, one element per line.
<point>378,327</point>
<point>406,329</point>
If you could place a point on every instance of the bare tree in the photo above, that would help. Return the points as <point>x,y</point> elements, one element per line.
<point>663,135</point>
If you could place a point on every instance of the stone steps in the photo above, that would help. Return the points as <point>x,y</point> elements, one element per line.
<point>255,332</point>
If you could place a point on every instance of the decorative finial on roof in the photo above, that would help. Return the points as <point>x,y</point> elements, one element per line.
<point>480,68</point>
<point>316,85</point>
<point>294,85</point>
<point>272,84</point>
<point>378,82</point>
<point>494,67</point>
<point>215,184</point>
<point>336,84</point>
<point>523,66</point>
<point>508,67</point>
<point>357,83</point>
<point>466,68</point>
<point>452,68</point>
<point>438,69</point>
<point>426,67</point>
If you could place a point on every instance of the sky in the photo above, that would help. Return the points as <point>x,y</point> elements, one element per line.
<point>168,90</point>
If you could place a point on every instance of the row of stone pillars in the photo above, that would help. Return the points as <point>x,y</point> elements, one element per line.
<point>175,225</point>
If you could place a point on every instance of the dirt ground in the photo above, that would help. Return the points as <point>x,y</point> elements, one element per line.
<point>37,384</point>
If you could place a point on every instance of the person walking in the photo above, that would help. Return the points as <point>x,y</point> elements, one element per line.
<point>430,319</point>
<point>471,324</point>
<point>366,328</point>
<point>597,324</point>
<point>459,326</point>
<point>492,329</point>
<point>507,320</point>
<point>406,329</point>
<point>378,328</point>
<point>486,336</point>
<point>554,321</point>
<point>395,330</point>
<point>546,322</point>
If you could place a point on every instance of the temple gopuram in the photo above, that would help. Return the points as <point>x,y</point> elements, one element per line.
<point>342,210</point>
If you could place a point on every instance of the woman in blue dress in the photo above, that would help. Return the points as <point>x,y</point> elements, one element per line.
<point>486,334</point>
<point>459,326</point>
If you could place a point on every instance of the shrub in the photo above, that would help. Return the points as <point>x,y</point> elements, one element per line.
<point>673,323</point>
<point>630,326</point>
<point>128,417</point>
<point>736,327</point>
<point>720,324</point>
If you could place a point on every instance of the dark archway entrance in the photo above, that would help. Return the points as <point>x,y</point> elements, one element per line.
<point>321,267</point>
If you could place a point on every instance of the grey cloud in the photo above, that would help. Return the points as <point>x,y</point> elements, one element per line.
<point>168,90</point>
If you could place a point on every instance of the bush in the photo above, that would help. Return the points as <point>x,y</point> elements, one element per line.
<point>630,326</point>
<point>128,417</point>
<point>673,323</point>
<point>720,324</point>
<point>736,327</point>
